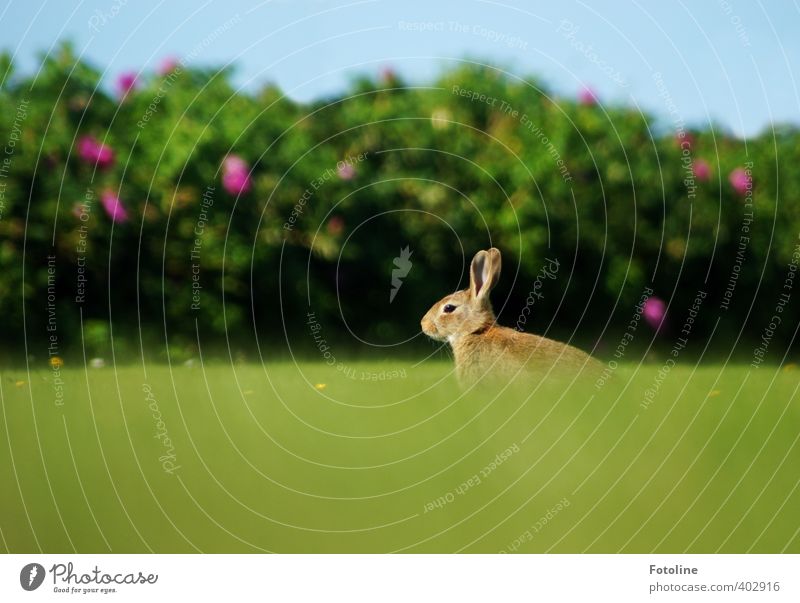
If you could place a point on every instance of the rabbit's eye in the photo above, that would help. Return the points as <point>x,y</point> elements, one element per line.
<point>449,308</point>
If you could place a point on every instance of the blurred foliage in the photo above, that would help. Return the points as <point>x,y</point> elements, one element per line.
<point>442,173</point>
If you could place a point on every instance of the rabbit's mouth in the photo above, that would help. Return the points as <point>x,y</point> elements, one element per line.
<point>429,328</point>
<point>437,337</point>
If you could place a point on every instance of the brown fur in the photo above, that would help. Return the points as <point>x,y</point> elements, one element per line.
<point>484,349</point>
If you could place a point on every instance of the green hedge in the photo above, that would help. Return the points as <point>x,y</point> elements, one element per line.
<point>330,193</point>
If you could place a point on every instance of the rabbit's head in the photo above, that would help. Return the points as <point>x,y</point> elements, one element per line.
<point>467,311</point>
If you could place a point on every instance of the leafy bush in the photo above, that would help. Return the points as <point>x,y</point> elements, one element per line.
<point>196,212</point>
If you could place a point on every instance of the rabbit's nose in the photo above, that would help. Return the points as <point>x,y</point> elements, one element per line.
<point>426,325</point>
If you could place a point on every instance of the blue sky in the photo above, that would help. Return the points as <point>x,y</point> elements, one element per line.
<point>730,63</point>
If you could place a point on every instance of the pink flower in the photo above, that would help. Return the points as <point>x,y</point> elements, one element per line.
<point>167,66</point>
<point>701,170</point>
<point>388,75</point>
<point>346,171</point>
<point>684,139</point>
<point>93,151</point>
<point>235,175</point>
<point>114,207</point>
<point>234,163</point>
<point>654,311</point>
<point>741,181</point>
<point>125,83</point>
<point>587,96</point>
<point>335,225</point>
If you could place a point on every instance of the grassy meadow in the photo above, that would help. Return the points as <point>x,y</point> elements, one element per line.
<point>393,457</point>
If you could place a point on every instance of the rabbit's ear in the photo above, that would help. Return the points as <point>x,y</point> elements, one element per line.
<point>484,273</point>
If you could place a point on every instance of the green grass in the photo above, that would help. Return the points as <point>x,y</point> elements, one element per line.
<point>267,462</point>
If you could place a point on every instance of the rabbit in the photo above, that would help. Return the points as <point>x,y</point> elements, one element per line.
<point>481,347</point>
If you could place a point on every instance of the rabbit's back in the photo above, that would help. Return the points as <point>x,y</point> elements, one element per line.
<point>503,352</point>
